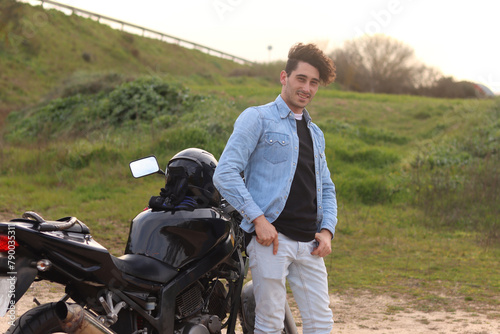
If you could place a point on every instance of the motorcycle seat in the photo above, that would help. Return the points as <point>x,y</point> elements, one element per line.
<point>145,267</point>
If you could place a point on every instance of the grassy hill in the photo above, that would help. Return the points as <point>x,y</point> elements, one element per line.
<point>40,50</point>
<point>417,178</point>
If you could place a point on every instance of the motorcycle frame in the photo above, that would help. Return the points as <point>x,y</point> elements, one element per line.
<point>29,238</point>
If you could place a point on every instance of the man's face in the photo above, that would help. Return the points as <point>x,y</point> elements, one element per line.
<point>299,88</point>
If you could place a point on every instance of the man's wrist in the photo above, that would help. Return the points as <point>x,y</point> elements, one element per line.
<point>260,219</point>
<point>328,232</point>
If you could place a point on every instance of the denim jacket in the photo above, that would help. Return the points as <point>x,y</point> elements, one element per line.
<point>265,146</point>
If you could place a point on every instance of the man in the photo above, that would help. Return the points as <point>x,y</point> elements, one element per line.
<point>287,198</point>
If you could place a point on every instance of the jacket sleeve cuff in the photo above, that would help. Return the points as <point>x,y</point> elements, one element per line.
<point>250,212</point>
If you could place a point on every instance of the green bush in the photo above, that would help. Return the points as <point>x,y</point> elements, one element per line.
<point>90,83</point>
<point>146,100</point>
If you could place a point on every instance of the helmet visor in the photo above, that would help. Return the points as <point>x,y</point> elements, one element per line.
<point>185,169</point>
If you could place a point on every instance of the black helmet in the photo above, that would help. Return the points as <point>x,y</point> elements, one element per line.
<point>189,173</point>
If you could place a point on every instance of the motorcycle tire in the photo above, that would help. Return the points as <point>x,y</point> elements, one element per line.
<point>39,320</point>
<point>246,312</point>
<point>247,309</point>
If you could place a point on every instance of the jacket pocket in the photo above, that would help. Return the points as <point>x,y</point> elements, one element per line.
<point>276,147</point>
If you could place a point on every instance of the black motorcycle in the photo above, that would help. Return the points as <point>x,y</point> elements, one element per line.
<point>183,270</point>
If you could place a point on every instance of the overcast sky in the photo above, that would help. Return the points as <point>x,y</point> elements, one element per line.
<point>458,37</point>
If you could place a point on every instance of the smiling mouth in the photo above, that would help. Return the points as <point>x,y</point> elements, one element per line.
<point>304,96</point>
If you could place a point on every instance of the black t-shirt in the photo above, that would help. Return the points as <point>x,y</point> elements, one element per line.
<point>298,219</point>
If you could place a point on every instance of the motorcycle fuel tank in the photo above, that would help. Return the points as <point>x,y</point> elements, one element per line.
<point>179,237</point>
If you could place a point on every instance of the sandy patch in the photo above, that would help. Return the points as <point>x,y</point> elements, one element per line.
<point>360,314</point>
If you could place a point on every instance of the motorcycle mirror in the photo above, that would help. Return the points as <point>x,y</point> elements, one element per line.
<point>145,166</point>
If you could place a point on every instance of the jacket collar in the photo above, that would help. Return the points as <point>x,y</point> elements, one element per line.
<point>285,111</point>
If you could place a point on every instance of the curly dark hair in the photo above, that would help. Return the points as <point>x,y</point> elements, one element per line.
<point>312,55</point>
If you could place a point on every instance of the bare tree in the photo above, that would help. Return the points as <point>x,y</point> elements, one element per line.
<point>350,73</point>
<point>377,63</point>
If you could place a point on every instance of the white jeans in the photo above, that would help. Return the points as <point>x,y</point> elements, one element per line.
<point>308,280</point>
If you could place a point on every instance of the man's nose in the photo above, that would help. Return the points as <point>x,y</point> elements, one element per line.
<point>307,87</point>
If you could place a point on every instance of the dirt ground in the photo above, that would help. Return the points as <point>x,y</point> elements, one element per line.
<point>360,314</point>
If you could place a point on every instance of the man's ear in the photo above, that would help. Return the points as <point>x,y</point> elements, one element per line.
<point>283,77</point>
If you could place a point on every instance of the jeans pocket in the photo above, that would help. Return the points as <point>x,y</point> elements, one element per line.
<point>264,263</point>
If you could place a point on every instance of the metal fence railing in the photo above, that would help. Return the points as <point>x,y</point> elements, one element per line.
<point>125,26</point>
